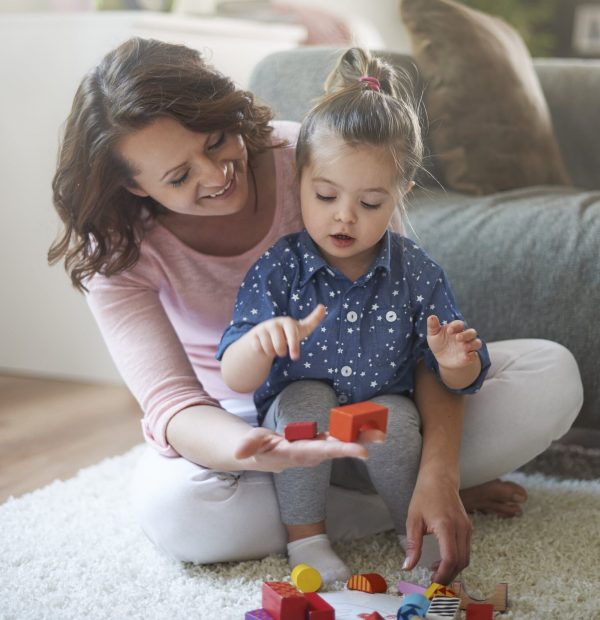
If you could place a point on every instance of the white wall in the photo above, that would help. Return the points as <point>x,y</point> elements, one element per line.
<point>45,326</point>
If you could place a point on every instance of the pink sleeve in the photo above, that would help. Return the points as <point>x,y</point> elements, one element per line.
<point>136,329</point>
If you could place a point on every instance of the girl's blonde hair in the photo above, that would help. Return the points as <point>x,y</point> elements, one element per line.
<point>359,113</point>
<point>137,83</point>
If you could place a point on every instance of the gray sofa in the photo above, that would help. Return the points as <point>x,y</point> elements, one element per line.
<point>523,263</point>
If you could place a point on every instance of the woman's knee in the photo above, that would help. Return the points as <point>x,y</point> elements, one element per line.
<point>197,515</point>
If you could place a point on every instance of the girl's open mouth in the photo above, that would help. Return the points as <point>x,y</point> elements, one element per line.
<point>342,241</point>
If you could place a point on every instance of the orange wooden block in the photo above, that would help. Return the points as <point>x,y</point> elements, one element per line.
<point>372,583</point>
<point>499,598</point>
<point>346,422</point>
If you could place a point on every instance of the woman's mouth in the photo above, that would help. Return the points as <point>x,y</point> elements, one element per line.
<point>223,192</point>
<point>342,241</point>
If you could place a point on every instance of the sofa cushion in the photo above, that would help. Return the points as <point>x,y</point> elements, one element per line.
<point>522,264</point>
<point>490,127</point>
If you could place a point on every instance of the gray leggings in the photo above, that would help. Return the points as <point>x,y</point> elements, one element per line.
<point>391,469</point>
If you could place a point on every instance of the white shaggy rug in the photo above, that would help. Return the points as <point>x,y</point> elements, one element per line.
<point>72,550</point>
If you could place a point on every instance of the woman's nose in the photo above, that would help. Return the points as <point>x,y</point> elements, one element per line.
<point>212,173</point>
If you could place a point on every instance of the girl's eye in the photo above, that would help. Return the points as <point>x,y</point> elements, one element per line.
<point>180,181</point>
<point>366,205</point>
<point>325,198</point>
<point>218,143</point>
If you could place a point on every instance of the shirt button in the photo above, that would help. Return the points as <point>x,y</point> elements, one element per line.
<point>342,399</point>
<point>391,316</point>
<point>346,371</point>
<point>352,316</point>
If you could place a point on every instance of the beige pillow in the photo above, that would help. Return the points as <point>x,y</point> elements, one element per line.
<point>489,124</point>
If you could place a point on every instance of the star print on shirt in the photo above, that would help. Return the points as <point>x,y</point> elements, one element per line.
<point>374,356</point>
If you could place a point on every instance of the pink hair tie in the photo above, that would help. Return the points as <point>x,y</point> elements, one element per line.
<point>372,82</point>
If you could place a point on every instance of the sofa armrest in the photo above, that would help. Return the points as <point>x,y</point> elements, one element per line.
<point>572,90</point>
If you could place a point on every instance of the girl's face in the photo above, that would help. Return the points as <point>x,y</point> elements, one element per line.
<point>188,172</point>
<point>348,195</point>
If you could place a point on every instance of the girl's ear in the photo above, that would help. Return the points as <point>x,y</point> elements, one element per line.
<point>408,187</point>
<point>137,191</point>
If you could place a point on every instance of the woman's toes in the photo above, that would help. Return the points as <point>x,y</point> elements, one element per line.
<point>495,497</point>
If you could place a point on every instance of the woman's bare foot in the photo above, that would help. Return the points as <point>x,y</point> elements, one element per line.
<point>495,497</point>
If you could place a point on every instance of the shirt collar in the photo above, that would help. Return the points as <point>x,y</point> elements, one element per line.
<point>312,261</point>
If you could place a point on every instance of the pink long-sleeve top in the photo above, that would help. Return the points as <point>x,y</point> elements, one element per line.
<point>162,319</point>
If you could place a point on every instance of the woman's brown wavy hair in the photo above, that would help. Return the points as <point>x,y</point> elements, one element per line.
<point>135,84</point>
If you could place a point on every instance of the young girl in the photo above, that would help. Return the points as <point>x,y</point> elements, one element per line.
<point>388,305</point>
<point>171,182</point>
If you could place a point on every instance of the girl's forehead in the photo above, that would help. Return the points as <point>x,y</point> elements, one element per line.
<point>335,158</point>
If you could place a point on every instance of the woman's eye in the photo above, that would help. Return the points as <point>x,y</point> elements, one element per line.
<point>218,142</point>
<point>325,198</point>
<point>367,205</point>
<point>180,181</point>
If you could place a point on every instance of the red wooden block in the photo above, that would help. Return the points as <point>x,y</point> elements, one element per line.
<point>318,607</point>
<point>300,430</point>
<point>345,423</point>
<point>480,611</point>
<point>369,582</point>
<point>374,616</point>
<point>283,601</point>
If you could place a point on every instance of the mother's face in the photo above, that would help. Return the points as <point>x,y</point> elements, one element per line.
<point>188,172</point>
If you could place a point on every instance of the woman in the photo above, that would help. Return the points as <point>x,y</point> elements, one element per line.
<point>171,182</point>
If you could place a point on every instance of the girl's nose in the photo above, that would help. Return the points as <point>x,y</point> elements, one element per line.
<point>345,214</point>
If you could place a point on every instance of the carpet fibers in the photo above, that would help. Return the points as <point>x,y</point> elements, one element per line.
<point>73,551</point>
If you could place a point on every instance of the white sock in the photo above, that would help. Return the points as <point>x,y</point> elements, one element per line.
<point>430,551</point>
<point>316,551</point>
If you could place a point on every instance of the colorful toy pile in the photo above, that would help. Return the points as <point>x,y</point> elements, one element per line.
<point>299,600</point>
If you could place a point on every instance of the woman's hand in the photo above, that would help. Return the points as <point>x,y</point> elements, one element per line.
<point>272,452</point>
<point>436,508</point>
<point>283,334</point>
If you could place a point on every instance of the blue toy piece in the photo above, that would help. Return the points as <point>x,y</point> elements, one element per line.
<point>413,604</point>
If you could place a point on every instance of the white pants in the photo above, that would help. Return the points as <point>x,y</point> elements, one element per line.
<point>530,398</point>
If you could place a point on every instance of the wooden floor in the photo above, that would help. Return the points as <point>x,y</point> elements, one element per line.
<point>50,429</point>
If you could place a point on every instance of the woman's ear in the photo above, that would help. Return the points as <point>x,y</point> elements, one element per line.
<point>408,187</point>
<point>137,191</point>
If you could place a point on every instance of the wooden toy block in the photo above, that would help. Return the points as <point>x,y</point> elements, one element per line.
<point>438,589</point>
<point>300,430</point>
<point>346,422</point>
<point>258,614</point>
<point>372,583</point>
<point>306,578</point>
<point>413,604</point>
<point>374,616</point>
<point>318,608</point>
<point>480,611</point>
<point>283,601</point>
<point>444,608</point>
<point>406,587</point>
<point>499,598</point>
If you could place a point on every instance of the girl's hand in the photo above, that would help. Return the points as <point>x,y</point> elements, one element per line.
<point>283,335</point>
<point>272,452</point>
<point>452,344</point>
<point>436,508</point>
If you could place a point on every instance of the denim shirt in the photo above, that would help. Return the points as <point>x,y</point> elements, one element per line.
<point>375,330</point>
